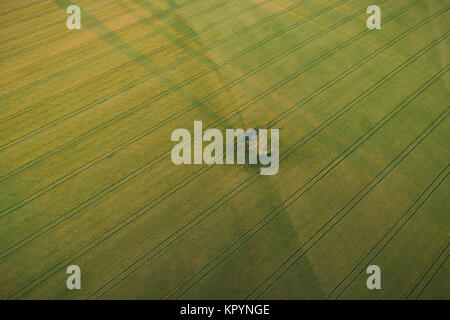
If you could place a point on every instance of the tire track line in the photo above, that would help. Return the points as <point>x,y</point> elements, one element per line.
<point>432,277</point>
<point>439,255</point>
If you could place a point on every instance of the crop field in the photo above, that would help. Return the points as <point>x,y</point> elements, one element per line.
<point>86,177</point>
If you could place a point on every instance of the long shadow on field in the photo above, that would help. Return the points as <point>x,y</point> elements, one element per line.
<point>265,191</point>
<point>94,25</point>
<point>181,27</point>
<point>91,23</point>
<point>256,260</point>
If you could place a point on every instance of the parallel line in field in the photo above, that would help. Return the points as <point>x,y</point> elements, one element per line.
<point>440,119</point>
<point>72,255</point>
<point>340,215</point>
<point>49,41</point>
<point>115,185</point>
<point>232,196</point>
<point>302,102</point>
<point>28,18</point>
<point>434,261</point>
<point>140,170</point>
<point>48,11</point>
<point>163,93</point>
<point>144,20</point>
<point>20,8</point>
<point>87,251</point>
<point>99,57</point>
<point>162,123</point>
<point>395,229</point>
<point>281,208</point>
<point>54,23</point>
<point>154,128</point>
<point>432,277</point>
<point>142,57</point>
<point>121,116</point>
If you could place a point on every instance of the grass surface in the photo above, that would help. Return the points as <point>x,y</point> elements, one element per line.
<point>85,171</point>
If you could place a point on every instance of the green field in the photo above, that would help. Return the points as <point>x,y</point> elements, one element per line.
<point>86,177</point>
